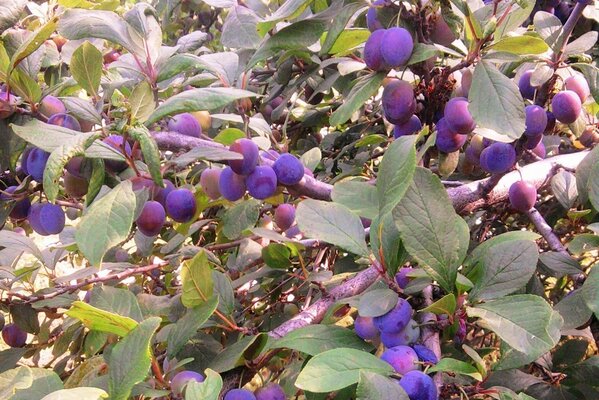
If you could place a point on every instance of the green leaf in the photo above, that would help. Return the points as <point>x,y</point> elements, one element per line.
<point>316,339</point>
<point>452,365</point>
<point>559,264</point>
<point>479,251</point>
<point>593,186</point>
<point>581,44</point>
<point>431,231</point>
<point>116,300</point>
<point>506,268</point>
<point>532,333</point>
<point>372,386</point>
<point>229,135</point>
<point>520,45</point>
<point>106,223</point>
<point>209,99</point>
<point>87,393</point>
<point>150,151</point>
<point>130,359</point>
<point>236,354</point>
<point>187,326</point>
<point>385,241</point>
<point>99,320</point>
<point>44,382</point>
<point>590,290</point>
<point>86,67</point>
<point>574,310</point>
<point>96,180</point>
<point>349,39</point>
<point>360,197</point>
<point>10,12</point>
<point>207,390</point>
<point>548,26</point>
<point>339,368</point>
<point>277,256</point>
<point>142,102</point>
<point>33,42</point>
<point>396,172</point>
<point>60,157</point>
<point>337,27</point>
<point>240,217</point>
<point>584,170</point>
<point>82,109</point>
<point>495,101</point>
<point>332,223</point>
<point>287,10</point>
<point>377,302</point>
<point>240,29</point>
<point>445,305</point>
<point>583,243</point>
<point>14,379</point>
<point>196,276</point>
<point>362,90</point>
<point>422,52</point>
<point>16,241</point>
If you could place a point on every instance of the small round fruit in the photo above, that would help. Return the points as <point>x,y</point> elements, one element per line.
<point>65,120</point>
<point>425,354</point>
<point>441,32</point>
<point>36,163</point>
<point>272,391</point>
<point>239,394</point>
<point>230,185</point>
<point>365,328</point>
<point>403,359</point>
<point>372,21</point>
<point>539,150</point>
<point>285,216</point>
<point>185,124</point>
<point>152,218</point>
<point>181,205</point>
<point>396,47</point>
<point>161,194</point>
<point>406,336</point>
<point>448,140</point>
<point>75,186</point>
<point>209,182</point>
<point>408,128</point>
<point>498,158</point>
<point>250,152</point>
<point>396,319</point>
<point>204,118</point>
<point>373,57</point>
<point>399,103</point>
<point>14,336</point>
<point>536,120</point>
<point>523,196</point>
<point>262,183</point>
<point>180,380</point>
<point>458,116</point>
<point>401,277</point>
<point>116,142</point>
<point>578,85</point>
<point>21,207</point>
<point>46,219</point>
<point>289,169</point>
<point>419,386</point>
<point>566,106</point>
<point>8,104</point>
<point>526,89</point>
<point>51,105</point>
<point>532,141</point>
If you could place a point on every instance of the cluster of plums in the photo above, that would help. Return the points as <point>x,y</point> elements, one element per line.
<point>388,48</point>
<point>399,333</point>
<point>272,391</point>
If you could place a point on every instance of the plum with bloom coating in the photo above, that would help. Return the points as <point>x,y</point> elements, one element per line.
<point>250,152</point>
<point>536,120</point>
<point>448,140</point>
<point>46,219</point>
<point>372,51</point>
<point>419,386</point>
<point>181,205</point>
<point>399,103</point>
<point>523,195</point>
<point>239,394</point>
<point>14,336</point>
<point>396,46</point>
<point>262,183</point>
<point>403,359</point>
<point>285,216</point>
<point>21,207</point>
<point>289,169</point>
<point>209,182</point>
<point>180,380</point>
<point>566,106</point>
<point>498,158</point>
<point>185,124</point>
<point>272,391</point>
<point>231,185</point>
<point>408,128</point>
<point>396,319</point>
<point>152,218</point>
<point>458,115</point>
<point>365,328</point>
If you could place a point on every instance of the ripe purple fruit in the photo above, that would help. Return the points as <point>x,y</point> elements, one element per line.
<point>209,182</point>
<point>36,163</point>
<point>373,57</point>
<point>566,106</point>
<point>151,220</point>
<point>51,105</point>
<point>46,219</point>
<point>425,354</point>
<point>372,21</point>
<point>185,124</point>
<point>262,183</point>
<point>448,140</point>
<point>458,116</point>
<point>401,277</point>
<point>578,85</point>
<point>413,125</point>
<point>539,150</point>
<point>116,142</point>
<point>163,192</point>
<point>523,196</point>
<point>498,158</point>
<point>285,216</point>
<point>364,327</point>
<point>239,394</point>
<point>272,391</point>
<point>180,380</point>
<point>419,386</point>
<point>231,186</point>
<point>526,89</point>
<point>21,207</point>
<point>181,205</point>
<point>289,169</point>
<point>399,103</point>
<point>402,358</point>
<point>249,150</point>
<point>396,47</point>
<point>406,336</point>
<point>14,336</point>
<point>65,120</point>
<point>550,121</point>
<point>396,319</point>
<point>536,120</point>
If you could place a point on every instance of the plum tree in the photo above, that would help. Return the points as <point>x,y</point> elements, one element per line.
<point>395,320</point>
<point>185,124</point>
<point>262,182</point>
<point>523,196</point>
<point>181,379</point>
<point>566,106</point>
<point>51,105</point>
<point>399,103</point>
<point>403,359</point>
<point>526,89</point>
<point>413,125</point>
<point>65,120</point>
<point>249,150</point>
<point>536,120</point>
<point>458,117</point>
<point>230,185</point>
<point>46,219</point>
<point>288,169</point>
<point>20,208</point>
<point>181,205</point>
<point>498,158</point>
<point>448,140</point>
<point>396,47</point>
<point>284,216</point>
<point>239,394</point>
<point>272,391</point>
<point>578,85</point>
<point>14,336</point>
<point>365,328</point>
<point>36,163</point>
<point>406,336</point>
<point>419,386</point>
<point>152,218</point>
<point>373,57</point>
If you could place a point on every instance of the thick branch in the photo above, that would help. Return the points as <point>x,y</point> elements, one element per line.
<point>546,231</point>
